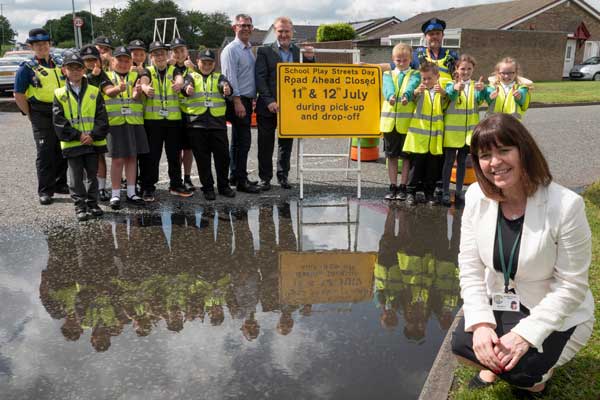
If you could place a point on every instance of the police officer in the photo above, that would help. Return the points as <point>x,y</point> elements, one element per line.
<point>35,82</point>
<point>445,59</point>
<point>105,47</point>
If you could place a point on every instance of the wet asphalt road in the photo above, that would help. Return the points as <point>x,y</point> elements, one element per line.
<point>569,137</point>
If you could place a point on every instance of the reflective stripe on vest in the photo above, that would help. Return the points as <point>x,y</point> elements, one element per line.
<point>114,105</point>
<point>460,119</point>
<point>426,129</point>
<point>80,118</point>
<point>205,97</point>
<point>397,115</point>
<point>507,104</point>
<point>50,79</point>
<point>164,97</point>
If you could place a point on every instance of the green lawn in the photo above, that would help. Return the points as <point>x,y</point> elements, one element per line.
<point>565,92</point>
<point>580,378</point>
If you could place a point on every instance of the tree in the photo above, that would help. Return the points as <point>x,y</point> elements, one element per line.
<point>137,20</point>
<point>61,30</point>
<point>333,32</point>
<point>7,34</point>
<point>208,30</point>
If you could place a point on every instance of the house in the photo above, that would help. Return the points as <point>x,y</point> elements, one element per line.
<point>371,28</point>
<point>302,34</point>
<point>546,36</point>
<point>256,38</point>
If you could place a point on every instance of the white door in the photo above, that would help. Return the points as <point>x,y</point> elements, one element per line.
<point>569,57</point>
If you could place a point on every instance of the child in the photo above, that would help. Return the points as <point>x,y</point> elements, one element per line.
<point>127,137</point>
<point>81,124</point>
<point>105,47</point>
<point>398,88</point>
<point>138,55</point>
<point>460,118</point>
<point>204,110</point>
<point>507,92</point>
<point>424,137</point>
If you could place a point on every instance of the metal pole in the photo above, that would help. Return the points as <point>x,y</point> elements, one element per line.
<point>2,15</point>
<point>73,22</point>
<point>91,21</point>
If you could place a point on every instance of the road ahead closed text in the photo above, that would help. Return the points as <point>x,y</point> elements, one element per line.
<point>325,100</point>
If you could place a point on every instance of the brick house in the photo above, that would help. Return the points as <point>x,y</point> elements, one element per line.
<point>546,36</point>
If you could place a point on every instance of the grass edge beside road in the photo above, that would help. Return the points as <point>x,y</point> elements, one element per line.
<point>565,92</point>
<point>580,378</point>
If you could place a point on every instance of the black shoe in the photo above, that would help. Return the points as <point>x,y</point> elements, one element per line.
<point>283,182</point>
<point>227,192</point>
<point>401,194</point>
<point>62,189</point>
<point>519,393</point>
<point>45,199</point>
<point>103,195</point>
<point>136,200</point>
<point>180,191</point>
<point>420,197</point>
<point>247,188</point>
<point>115,203</point>
<point>148,196</point>
<point>96,211</point>
<point>189,185</point>
<point>210,195</point>
<point>391,195</point>
<point>477,383</point>
<point>446,200</point>
<point>432,200</point>
<point>81,215</point>
<point>264,185</point>
<point>410,199</point>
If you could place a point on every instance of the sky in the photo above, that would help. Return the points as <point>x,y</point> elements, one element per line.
<point>27,14</point>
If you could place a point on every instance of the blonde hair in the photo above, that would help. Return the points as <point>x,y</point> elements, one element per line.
<point>507,60</point>
<point>402,48</point>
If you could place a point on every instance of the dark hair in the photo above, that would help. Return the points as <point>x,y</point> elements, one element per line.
<point>505,130</point>
<point>428,66</point>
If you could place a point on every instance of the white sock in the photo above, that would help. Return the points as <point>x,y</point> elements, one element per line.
<point>101,183</point>
<point>116,193</point>
<point>130,190</point>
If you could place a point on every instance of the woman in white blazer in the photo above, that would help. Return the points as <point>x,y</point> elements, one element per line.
<point>525,252</point>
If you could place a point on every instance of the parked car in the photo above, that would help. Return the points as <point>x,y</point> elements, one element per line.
<point>588,70</point>
<point>8,68</point>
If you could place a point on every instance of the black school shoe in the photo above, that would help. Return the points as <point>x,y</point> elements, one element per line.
<point>210,195</point>
<point>82,215</point>
<point>96,211</point>
<point>391,195</point>
<point>519,393</point>
<point>45,199</point>
<point>227,192</point>
<point>62,189</point>
<point>103,195</point>
<point>401,193</point>
<point>135,200</point>
<point>115,203</point>
<point>477,383</point>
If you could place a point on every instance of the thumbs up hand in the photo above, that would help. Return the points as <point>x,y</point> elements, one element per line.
<point>122,86</point>
<point>97,70</point>
<point>189,90</point>
<point>404,100</point>
<point>479,84</point>
<point>226,89</point>
<point>148,90</point>
<point>494,94</point>
<point>516,94</point>
<point>459,86</point>
<point>392,100</point>
<point>176,86</point>
<point>420,89</point>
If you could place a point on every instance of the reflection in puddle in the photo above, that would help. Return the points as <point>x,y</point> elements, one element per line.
<point>312,289</point>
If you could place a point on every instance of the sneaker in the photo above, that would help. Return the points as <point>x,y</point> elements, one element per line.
<point>420,197</point>
<point>189,185</point>
<point>401,194</point>
<point>180,191</point>
<point>391,195</point>
<point>210,195</point>
<point>115,203</point>
<point>81,215</point>
<point>148,196</point>
<point>227,192</point>
<point>446,200</point>
<point>136,200</point>
<point>96,211</point>
<point>103,195</point>
<point>410,199</point>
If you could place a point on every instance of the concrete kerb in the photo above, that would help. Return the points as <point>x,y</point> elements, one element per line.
<point>441,376</point>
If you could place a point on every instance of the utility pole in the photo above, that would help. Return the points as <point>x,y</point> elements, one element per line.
<point>91,22</point>
<point>75,36</point>
<point>2,15</point>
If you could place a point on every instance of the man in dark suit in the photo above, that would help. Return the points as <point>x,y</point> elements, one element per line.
<point>267,57</point>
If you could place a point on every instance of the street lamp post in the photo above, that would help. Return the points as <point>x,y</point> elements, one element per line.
<point>91,21</point>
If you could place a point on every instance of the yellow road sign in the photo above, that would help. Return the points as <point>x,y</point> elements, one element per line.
<point>328,100</point>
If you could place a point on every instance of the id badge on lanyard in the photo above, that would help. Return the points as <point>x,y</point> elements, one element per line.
<point>163,113</point>
<point>507,301</point>
<point>125,110</point>
<point>209,104</point>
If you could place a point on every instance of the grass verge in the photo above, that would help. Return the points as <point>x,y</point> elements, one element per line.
<point>580,378</point>
<point>565,92</point>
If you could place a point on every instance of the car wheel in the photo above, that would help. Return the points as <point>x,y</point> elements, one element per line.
<point>597,76</point>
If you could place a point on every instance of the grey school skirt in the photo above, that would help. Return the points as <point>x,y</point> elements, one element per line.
<point>127,140</point>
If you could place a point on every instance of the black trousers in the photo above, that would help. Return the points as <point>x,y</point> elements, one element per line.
<point>266,143</point>
<point>532,366</point>
<point>460,155</point>
<point>50,165</point>
<point>424,173</point>
<point>207,142</point>
<point>160,135</point>
<point>83,194</point>
<point>241,139</point>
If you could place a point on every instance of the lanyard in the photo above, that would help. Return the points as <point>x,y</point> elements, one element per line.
<point>506,271</point>
<point>78,117</point>
<point>162,87</point>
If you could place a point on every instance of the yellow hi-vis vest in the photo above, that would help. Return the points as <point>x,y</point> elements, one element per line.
<point>460,119</point>
<point>506,103</point>
<point>164,100</point>
<point>397,115</point>
<point>206,97</point>
<point>388,278</point>
<point>80,117</point>
<point>426,129</point>
<point>122,108</point>
<point>445,75</point>
<point>50,79</point>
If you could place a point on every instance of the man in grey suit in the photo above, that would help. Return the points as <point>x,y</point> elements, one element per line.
<point>267,57</point>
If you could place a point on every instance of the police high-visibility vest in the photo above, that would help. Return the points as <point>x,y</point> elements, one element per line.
<point>505,103</point>
<point>460,119</point>
<point>442,63</point>
<point>397,115</point>
<point>426,128</point>
<point>206,97</point>
<point>79,114</point>
<point>50,79</point>
<point>388,278</point>
<point>123,108</point>
<point>165,101</point>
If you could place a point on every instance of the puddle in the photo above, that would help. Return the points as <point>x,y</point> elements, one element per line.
<point>346,300</point>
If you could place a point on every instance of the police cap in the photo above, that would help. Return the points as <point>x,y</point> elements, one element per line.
<point>434,24</point>
<point>38,35</point>
<point>103,41</point>
<point>157,45</point>
<point>137,44</point>
<point>122,51</point>
<point>89,51</point>
<point>178,42</point>
<point>207,55</point>
<point>71,57</point>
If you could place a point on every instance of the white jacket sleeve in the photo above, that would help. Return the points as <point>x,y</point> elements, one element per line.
<point>570,277</point>
<point>476,307</point>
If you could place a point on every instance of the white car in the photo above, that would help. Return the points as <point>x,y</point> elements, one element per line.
<point>588,70</point>
<point>8,68</point>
